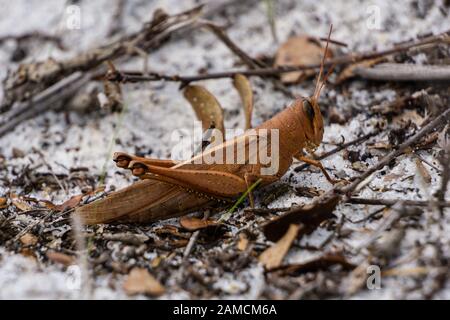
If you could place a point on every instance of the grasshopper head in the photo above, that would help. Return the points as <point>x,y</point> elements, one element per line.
<point>314,120</point>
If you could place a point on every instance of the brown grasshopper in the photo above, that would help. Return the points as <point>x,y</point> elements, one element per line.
<point>169,189</point>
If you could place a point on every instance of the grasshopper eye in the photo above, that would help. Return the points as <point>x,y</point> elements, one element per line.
<point>308,109</point>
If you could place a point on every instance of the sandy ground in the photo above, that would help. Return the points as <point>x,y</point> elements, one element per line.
<point>154,110</point>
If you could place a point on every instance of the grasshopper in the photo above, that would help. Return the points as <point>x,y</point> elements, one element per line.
<point>168,189</point>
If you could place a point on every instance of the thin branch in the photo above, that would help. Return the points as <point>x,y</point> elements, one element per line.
<point>264,72</point>
<point>40,75</point>
<point>391,202</point>
<point>51,98</point>
<point>117,18</point>
<point>433,125</point>
<point>357,200</point>
<point>266,210</point>
<point>35,35</point>
<point>404,72</point>
<point>220,33</point>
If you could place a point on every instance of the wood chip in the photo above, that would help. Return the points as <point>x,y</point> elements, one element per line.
<point>274,255</point>
<point>243,242</point>
<point>140,281</point>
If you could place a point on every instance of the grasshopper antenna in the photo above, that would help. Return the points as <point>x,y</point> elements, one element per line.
<point>320,83</point>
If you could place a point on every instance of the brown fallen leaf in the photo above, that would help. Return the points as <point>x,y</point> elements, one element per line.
<point>3,203</point>
<point>322,263</point>
<point>17,153</point>
<point>206,107</point>
<point>171,230</point>
<point>408,116</point>
<point>29,253</point>
<point>193,224</point>
<point>21,204</point>
<point>428,141</point>
<point>425,175</point>
<point>380,145</point>
<point>61,258</point>
<point>28,239</point>
<point>140,281</point>
<point>357,278</point>
<point>337,116</point>
<point>392,177</point>
<point>156,262</point>
<point>243,86</point>
<point>299,50</point>
<point>274,255</point>
<point>311,216</point>
<point>69,204</point>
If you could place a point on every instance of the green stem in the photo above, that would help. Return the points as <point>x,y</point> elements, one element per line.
<point>241,199</point>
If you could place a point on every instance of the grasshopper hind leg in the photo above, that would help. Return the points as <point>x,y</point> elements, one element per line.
<point>215,183</point>
<point>123,160</point>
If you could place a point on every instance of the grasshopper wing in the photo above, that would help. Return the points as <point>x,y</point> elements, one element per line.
<point>144,201</point>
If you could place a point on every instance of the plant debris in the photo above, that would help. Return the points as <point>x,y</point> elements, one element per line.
<point>131,79</point>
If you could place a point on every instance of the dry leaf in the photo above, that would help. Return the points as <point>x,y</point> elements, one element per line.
<point>243,242</point>
<point>322,263</point>
<point>29,253</point>
<point>357,278</point>
<point>299,50</point>
<point>17,153</point>
<point>349,71</point>
<point>392,177</point>
<point>423,171</point>
<point>156,262</point>
<point>21,205</point>
<point>408,116</point>
<point>274,255</point>
<point>28,239</point>
<point>61,258</point>
<point>243,86</point>
<point>171,230</point>
<point>3,203</point>
<point>206,107</point>
<point>337,116</point>
<point>311,216</point>
<point>380,145</point>
<point>140,281</point>
<point>193,224</point>
<point>443,140</point>
<point>70,204</point>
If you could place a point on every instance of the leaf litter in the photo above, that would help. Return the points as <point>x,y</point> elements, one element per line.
<point>128,252</point>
